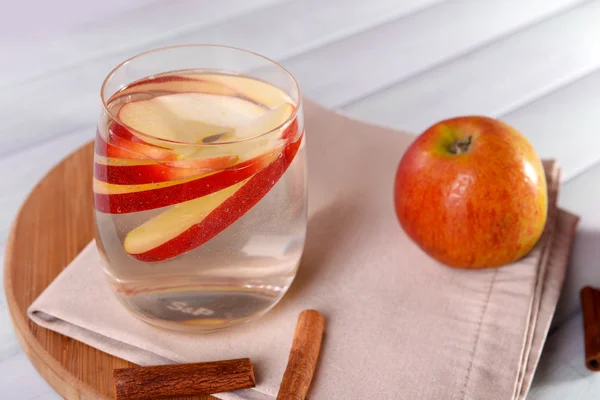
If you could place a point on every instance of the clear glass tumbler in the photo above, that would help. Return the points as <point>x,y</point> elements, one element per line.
<point>199,185</point>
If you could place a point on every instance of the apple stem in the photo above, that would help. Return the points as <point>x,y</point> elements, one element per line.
<point>461,146</point>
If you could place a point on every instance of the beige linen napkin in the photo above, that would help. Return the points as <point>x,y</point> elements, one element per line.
<point>399,325</point>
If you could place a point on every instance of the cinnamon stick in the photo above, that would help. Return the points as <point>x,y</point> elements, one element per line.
<point>303,356</point>
<point>164,381</point>
<point>590,305</point>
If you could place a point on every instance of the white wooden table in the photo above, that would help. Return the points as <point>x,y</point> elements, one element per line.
<point>401,63</point>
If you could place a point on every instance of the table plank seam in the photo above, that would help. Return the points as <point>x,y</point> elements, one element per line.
<point>363,29</point>
<point>543,94</point>
<point>280,58</point>
<point>479,47</point>
<point>129,50</point>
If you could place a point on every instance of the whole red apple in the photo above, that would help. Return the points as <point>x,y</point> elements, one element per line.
<point>471,192</point>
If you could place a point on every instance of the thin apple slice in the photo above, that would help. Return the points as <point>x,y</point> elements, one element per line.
<point>151,173</point>
<point>125,149</point>
<point>250,88</point>
<point>179,83</point>
<point>253,155</point>
<point>118,134</point>
<point>153,152</point>
<point>247,149</point>
<point>105,149</point>
<point>188,117</point>
<point>176,220</point>
<point>122,199</point>
<point>121,137</point>
<point>201,162</point>
<point>98,159</point>
<point>264,123</point>
<point>214,163</point>
<point>102,188</point>
<point>163,237</point>
<point>134,163</point>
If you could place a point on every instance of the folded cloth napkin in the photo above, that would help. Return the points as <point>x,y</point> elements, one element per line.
<point>398,324</point>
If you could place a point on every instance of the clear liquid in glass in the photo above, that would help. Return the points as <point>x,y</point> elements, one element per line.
<point>241,268</point>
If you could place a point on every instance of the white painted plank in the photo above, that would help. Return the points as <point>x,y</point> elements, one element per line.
<point>565,124</point>
<point>23,170</point>
<point>127,27</point>
<point>34,20</point>
<point>14,365</point>
<point>69,100</point>
<point>561,373</point>
<point>496,78</point>
<point>581,195</point>
<point>288,29</point>
<point>9,346</point>
<point>359,65</point>
<point>20,380</point>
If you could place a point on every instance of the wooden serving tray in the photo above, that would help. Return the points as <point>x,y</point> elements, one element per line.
<point>54,224</point>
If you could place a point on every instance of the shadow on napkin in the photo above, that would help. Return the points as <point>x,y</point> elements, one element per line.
<point>327,229</point>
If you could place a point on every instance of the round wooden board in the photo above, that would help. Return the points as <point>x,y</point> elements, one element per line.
<point>54,224</point>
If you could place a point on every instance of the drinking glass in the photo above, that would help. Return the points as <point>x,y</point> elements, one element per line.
<point>199,185</point>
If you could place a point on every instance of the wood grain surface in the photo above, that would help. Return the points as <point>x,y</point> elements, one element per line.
<point>52,227</point>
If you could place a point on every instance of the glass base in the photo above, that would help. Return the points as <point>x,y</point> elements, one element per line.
<point>205,311</point>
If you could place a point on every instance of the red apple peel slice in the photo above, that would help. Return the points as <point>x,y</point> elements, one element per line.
<point>143,149</point>
<point>119,165</point>
<point>175,221</point>
<point>187,117</point>
<point>104,188</point>
<point>169,116</point>
<point>99,159</point>
<point>151,173</point>
<point>214,222</point>
<point>105,149</point>
<point>119,199</point>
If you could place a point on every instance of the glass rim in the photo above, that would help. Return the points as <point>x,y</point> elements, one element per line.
<point>281,126</point>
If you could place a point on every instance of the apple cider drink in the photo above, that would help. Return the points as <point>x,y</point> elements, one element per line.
<point>199,191</point>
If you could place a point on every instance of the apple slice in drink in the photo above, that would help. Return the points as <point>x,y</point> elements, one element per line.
<point>166,236</point>
<point>250,88</point>
<point>121,172</point>
<point>171,84</point>
<point>252,155</point>
<point>123,199</point>
<point>189,224</point>
<point>188,118</point>
<point>119,165</point>
<point>178,118</point>
<point>181,118</point>
<point>156,231</point>
<point>122,148</point>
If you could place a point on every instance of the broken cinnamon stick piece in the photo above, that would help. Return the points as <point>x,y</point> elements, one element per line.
<point>303,356</point>
<point>590,305</point>
<point>165,381</point>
